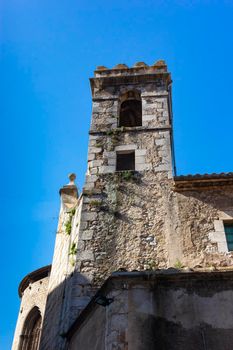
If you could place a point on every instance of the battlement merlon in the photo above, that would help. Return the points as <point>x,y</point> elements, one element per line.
<point>122,74</point>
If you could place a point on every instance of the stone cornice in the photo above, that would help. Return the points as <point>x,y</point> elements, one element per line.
<point>131,130</point>
<point>114,80</point>
<point>143,96</point>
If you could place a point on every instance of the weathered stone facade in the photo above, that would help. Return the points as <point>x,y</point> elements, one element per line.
<point>135,216</point>
<point>33,291</point>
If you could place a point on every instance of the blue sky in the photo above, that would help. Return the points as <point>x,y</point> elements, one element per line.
<point>49,50</point>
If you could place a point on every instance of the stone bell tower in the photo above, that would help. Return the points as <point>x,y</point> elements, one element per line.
<point>126,211</point>
<point>123,220</point>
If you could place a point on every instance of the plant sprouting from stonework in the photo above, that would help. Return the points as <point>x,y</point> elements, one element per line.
<point>68,227</point>
<point>73,249</point>
<point>115,135</point>
<point>151,264</point>
<point>68,224</point>
<point>73,212</point>
<point>127,175</point>
<point>178,264</point>
<point>95,203</point>
<point>72,253</point>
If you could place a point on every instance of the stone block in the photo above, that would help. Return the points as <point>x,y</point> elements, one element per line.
<point>217,236</point>
<point>95,150</point>
<point>94,171</point>
<point>107,169</point>
<point>140,152</point>
<point>80,280</point>
<point>112,162</point>
<point>163,167</point>
<point>222,247</point>
<point>83,225</point>
<point>111,120</point>
<point>130,147</point>
<point>86,235</point>
<point>139,160</point>
<point>109,154</point>
<point>141,167</point>
<point>95,163</point>
<point>86,255</point>
<point>89,186</point>
<point>89,216</point>
<point>160,142</point>
<point>91,156</point>
<point>93,137</point>
<point>91,178</point>
<point>218,225</point>
<point>148,118</point>
<point>80,245</point>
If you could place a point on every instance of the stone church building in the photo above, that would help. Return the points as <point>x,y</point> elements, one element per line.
<point>143,258</point>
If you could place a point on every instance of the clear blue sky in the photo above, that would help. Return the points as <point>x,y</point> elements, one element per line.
<point>49,49</point>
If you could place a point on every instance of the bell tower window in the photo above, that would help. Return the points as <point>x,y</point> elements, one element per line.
<point>130,109</point>
<point>125,161</point>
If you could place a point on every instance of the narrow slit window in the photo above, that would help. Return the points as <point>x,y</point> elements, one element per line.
<point>125,161</point>
<point>228,227</point>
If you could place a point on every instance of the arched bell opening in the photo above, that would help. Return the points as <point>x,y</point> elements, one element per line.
<point>130,114</point>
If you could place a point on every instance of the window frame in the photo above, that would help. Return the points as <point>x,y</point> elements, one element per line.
<point>228,224</point>
<point>126,152</point>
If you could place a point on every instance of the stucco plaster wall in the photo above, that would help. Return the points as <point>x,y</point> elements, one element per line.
<point>169,313</point>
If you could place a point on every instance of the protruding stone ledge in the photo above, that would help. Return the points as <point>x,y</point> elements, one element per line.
<point>132,130</point>
<point>160,94</point>
<point>162,79</point>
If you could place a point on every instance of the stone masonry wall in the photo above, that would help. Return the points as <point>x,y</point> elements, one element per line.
<point>201,217</point>
<point>34,295</point>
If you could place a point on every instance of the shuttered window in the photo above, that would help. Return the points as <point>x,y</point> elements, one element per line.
<point>229,235</point>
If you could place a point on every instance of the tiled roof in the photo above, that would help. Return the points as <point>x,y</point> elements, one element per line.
<point>204,181</point>
<point>203,176</point>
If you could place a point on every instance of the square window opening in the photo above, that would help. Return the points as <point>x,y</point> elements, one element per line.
<point>228,228</point>
<point>125,161</point>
